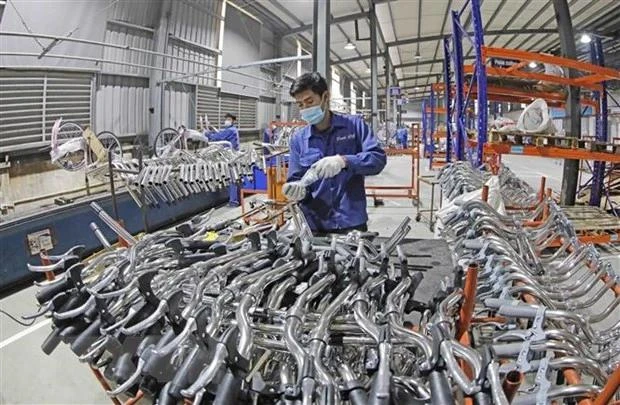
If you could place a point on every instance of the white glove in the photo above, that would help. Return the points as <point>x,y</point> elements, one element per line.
<point>294,191</point>
<point>329,166</point>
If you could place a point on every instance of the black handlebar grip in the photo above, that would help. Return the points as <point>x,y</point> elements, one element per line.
<point>52,341</point>
<point>48,292</point>
<point>189,370</point>
<point>228,390</point>
<point>86,338</point>
<point>441,391</point>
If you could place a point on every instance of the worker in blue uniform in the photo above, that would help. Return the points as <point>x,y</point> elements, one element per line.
<point>342,149</point>
<point>229,133</point>
<point>402,135</point>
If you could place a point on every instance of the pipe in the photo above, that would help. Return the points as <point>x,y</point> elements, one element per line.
<point>610,389</point>
<point>511,384</point>
<point>469,300</point>
<point>115,62</point>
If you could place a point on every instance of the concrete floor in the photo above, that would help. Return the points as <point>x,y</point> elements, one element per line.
<point>28,376</point>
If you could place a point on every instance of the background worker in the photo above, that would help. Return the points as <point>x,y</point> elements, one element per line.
<point>229,133</point>
<point>402,135</point>
<point>342,149</point>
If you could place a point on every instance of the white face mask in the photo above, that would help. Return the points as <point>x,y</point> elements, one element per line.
<point>228,123</point>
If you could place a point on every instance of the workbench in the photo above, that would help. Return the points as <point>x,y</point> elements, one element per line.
<point>440,259</point>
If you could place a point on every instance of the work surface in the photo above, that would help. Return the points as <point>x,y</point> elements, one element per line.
<point>440,259</point>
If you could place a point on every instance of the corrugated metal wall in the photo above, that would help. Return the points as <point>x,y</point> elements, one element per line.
<point>145,13</point>
<point>121,100</point>
<point>207,102</point>
<point>31,101</point>
<point>179,105</point>
<point>131,36</point>
<point>266,112</point>
<point>122,105</point>
<point>242,40</point>
<point>197,21</point>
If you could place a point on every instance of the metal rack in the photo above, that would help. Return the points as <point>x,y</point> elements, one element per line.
<point>396,191</point>
<point>431,109</point>
<point>270,182</point>
<point>478,88</point>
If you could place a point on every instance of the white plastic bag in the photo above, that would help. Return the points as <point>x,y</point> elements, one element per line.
<point>503,124</point>
<point>535,119</point>
<point>553,70</point>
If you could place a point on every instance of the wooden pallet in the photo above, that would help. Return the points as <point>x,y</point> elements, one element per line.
<point>542,140</point>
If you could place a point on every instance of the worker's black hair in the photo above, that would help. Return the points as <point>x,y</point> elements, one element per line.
<point>309,81</point>
<point>232,117</point>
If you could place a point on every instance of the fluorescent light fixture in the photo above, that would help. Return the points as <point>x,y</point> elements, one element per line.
<point>533,64</point>
<point>368,70</point>
<point>585,39</point>
<point>417,88</point>
<point>417,55</point>
<point>349,46</point>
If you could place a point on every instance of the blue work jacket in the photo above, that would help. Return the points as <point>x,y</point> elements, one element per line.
<point>402,135</point>
<point>230,134</point>
<point>339,202</point>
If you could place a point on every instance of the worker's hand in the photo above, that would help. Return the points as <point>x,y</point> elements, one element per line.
<point>330,166</point>
<point>294,191</point>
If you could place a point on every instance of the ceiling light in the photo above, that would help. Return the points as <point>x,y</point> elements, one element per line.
<point>585,39</point>
<point>417,88</point>
<point>417,55</point>
<point>349,46</point>
<point>533,64</point>
<point>368,70</point>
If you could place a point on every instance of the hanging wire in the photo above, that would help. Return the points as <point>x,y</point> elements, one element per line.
<point>15,319</point>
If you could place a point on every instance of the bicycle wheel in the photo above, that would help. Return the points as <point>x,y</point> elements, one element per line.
<point>71,132</point>
<point>167,139</point>
<point>110,142</point>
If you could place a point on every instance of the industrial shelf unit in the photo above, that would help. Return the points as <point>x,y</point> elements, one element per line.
<point>431,109</point>
<point>595,75</point>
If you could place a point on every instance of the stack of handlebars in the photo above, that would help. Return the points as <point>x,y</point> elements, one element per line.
<point>277,316</point>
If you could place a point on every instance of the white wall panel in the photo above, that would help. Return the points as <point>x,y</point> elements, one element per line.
<point>266,112</point>
<point>191,60</point>
<point>128,36</point>
<point>242,40</point>
<point>139,12</point>
<point>179,105</point>
<point>122,105</point>
<point>197,21</point>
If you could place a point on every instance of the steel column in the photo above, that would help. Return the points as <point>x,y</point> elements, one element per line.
<point>279,79</point>
<point>598,173</point>
<point>424,127</point>
<point>389,112</point>
<point>573,124</point>
<point>374,104</point>
<point>447,100</point>
<point>320,38</point>
<point>431,125</point>
<point>156,88</point>
<point>481,78</point>
<point>459,78</point>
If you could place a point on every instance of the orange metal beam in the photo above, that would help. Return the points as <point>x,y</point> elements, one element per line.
<point>495,71</point>
<point>550,152</point>
<point>606,73</point>
<point>511,94</point>
<point>516,66</point>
